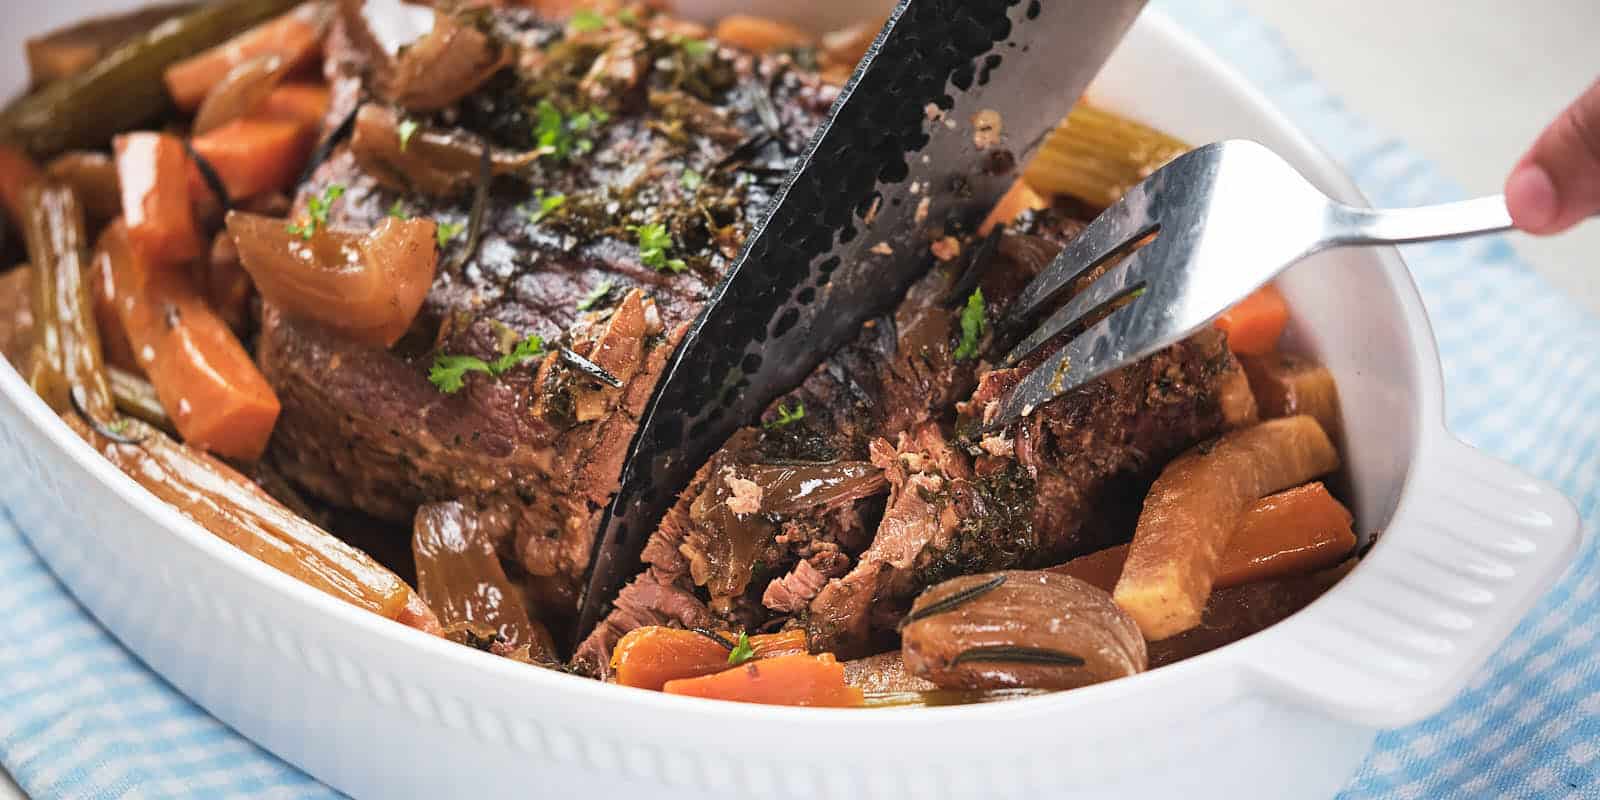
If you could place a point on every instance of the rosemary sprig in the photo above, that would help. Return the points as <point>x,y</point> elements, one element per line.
<point>1017,654</point>
<point>955,599</point>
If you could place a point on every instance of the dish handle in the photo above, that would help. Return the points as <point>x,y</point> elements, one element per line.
<point>1474,543</point>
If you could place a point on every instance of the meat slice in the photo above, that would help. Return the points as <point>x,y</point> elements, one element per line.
<point>1031,494</point>
<point>899,373</point>
<point>927,476</point>
<point>537,451</point>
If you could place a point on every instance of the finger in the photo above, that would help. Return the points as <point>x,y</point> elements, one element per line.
<point>1557,183</point>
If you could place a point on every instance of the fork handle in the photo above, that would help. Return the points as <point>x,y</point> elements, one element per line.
<point>1348,225</point>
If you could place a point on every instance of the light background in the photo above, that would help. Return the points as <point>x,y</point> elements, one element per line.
<point>1467,83</point>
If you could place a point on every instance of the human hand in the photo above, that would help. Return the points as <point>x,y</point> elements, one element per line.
<point>1557,183</point>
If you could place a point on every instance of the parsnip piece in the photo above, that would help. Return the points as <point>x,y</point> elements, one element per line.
<point>1194,508</point>
<point>1282,535</point>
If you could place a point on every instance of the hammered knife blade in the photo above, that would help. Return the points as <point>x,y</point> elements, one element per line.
<point>951,100</point>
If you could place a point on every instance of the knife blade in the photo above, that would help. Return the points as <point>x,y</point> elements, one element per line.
<point>932,128</point>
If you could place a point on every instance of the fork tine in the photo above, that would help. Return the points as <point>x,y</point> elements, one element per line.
<point>1087,357</point>
<point>1117,228</point>
<point>1124,278</point>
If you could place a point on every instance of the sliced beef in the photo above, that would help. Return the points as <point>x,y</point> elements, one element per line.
<point>899,373</point>
<point>1028,496</point>
<point>537,451</point>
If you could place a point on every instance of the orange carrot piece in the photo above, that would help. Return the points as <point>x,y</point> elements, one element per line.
<point>651,656</point>
<point>17,172</point>
<point>1019,198</point>
<point>153,172</point>
<point>207,383</point>
<point>114,344</point>
<point>292,36</point>
<point>794,680</point>
<point>1257,322</point>
<point>306,103</point>
<point>1290,533</point>
<point>253,155</point>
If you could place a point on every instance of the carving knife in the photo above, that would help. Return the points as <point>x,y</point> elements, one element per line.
<point>935,124</point>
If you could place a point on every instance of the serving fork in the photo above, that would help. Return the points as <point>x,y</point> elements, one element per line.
<point>1195,238</point>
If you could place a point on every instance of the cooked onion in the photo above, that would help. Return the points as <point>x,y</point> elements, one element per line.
<point>367,287</point>
<point>422,64</point>
<point>431,162</point>
<point>1019,630</point>
<point>240,92</point>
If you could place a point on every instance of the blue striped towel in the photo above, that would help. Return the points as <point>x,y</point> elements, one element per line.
<point>81,717</point>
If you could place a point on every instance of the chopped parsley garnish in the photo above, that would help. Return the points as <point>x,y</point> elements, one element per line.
<point>742,651</point>
<point>691,180</point>
<point>449,373</point>
<point>526,350</point>
<point>398,210</point>
<point>972,324</point>
<point>547,205</point>
<point>118,427</point>
<point>627,17</point>
<point>447,231</point>
<point>561,136</point>
<point>585,20</point>
<point>654,242</point>
<point>317,212</point>
<point>787,416</point>
<point>595,295</point>
<point>406,129</point>
<point>694,48</point>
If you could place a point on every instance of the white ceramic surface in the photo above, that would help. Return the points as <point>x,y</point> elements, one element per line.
<point>382,711</point>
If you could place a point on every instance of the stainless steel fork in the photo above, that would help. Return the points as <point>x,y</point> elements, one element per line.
<point>1222,221</point>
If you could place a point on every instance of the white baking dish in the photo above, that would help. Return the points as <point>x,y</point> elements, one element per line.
<point>383,711</point>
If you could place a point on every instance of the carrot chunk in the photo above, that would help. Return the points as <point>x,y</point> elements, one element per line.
<point>17,172</point>
<point>253,155</point>
<point>306,103</point>
<point>153,172</point>
<point>207,383</point>
<point>114,344</point>
<point>759,34</point>
<point>1019,198</point>
<point>793,680</point>
<point>1287,384</point>
<point>651,656</point>
<point>1290,533</point>
<point>1257,322</point>
<point>293,37</point>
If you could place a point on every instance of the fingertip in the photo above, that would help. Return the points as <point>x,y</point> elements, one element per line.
<point>1531,198</point>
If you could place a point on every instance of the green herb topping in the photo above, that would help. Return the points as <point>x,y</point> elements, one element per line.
<point>445,231</point>
<point>691,180</point>
<point>547,204</point>
<point>972,325</point>
<point>595,295</point>
<point>560,136</point>
<point>406,129</point>
<point>742,651</point>
<point>786,416</point>
<point>654,242</point>
<point>694,48</point>
<point>585,20</point>
<point>449,372</point>
<point>397,209</point>
<point>317,212</point>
